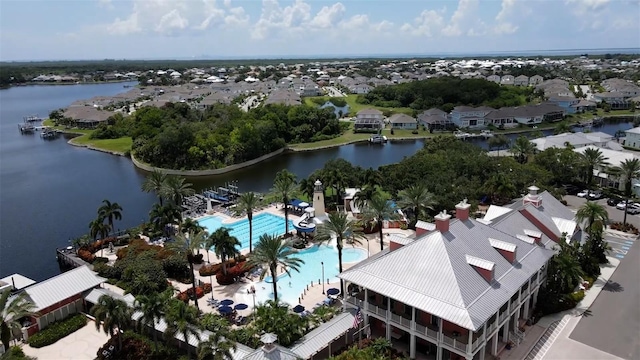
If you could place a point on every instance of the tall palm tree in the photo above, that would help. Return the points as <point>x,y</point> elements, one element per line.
<point>155,183</point>
<point>417,198</point>
<point>176,188</point>
<point>338,226</point>
<point>307,187</point>
<point>163,215</point>
<point>522,148</point>
<point>187,244</point>
<point>378,209</point>
<point>592,212</point>
<point>151,306</point>
<point>284,186</point>
<point>248,202</point>
<point>627,171</point>
<point>225,246</point>
<point>365,194</point>
<point>562,127</point>
<point>110,211</point>
<point>500,188</point>
<point>182,319</point>
<point>592,159</point>
<point>271,252</point>
<point>12,310</point>
<point>190,225</point>
<point>216,347</point>
<point>111,314</point>
<point>336,178</point>
<point>97,228</point>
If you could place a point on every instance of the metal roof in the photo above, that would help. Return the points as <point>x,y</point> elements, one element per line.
<point>425,225</point>
<point>436,278</point>
<point>495,211</point>
<point>16,280</point>
<point>481,263</point>
<point>276,352</point>
<point>323,335</point>
<point>525,238</point>
<point>502,245</point>
<point>62,287</point>
<point>532,233</point>
<point>94,295</point>
<point>399,239</point>
<point>565,226</point>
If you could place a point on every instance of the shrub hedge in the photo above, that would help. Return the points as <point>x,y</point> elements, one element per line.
<point>210,270</point>
<point>57,331</point>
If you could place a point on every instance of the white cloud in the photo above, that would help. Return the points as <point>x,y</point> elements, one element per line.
<point>585,5</point>
<point>274,17</point>
<point>504,18</point>
<point>462,17</point>
<point>328,17</point>
<point>426,24</point>
<point>107,4</point>
<point>172,21</point>
<point>123,27</point>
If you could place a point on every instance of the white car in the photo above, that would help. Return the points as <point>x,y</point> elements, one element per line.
<point>623,204</point>
<point>583,193</point>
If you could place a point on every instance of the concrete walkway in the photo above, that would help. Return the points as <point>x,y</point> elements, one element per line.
<point>556,344</point>
<point>81,345</point>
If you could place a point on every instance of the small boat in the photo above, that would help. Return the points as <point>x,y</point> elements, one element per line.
<point>486,133</point>
<point>378,139</point>
<point>461,135</point>
<point>26,128</point>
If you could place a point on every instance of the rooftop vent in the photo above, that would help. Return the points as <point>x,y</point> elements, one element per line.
<point>484,267</point>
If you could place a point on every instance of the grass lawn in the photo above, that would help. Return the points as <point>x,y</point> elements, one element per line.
<point>121,145</point>
<point>354,107</point>
<point>601,113</point>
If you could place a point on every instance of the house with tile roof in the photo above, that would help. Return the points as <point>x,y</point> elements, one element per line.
<point>463,287</point>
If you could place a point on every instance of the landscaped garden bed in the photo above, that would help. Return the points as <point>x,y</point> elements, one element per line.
<point>57,331</point>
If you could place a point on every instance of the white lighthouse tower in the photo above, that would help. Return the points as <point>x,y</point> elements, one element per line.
<point>318,199</point>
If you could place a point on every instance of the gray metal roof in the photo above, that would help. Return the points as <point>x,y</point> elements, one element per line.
<point>276,353</point>
<point>17,280</point>
<point>323,335</point>
<point>432,273</point>
<point>62,287</point>
<point>94,295</point>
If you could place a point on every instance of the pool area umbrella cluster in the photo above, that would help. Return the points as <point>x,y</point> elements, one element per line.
<point>226,302</point>
<point>225,310</point>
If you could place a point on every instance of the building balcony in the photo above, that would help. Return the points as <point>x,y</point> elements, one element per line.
<point>399,319</point>
<point>492,327</point>
<point>459,343</point>
<point>425,330</point>
<point>502,317</point>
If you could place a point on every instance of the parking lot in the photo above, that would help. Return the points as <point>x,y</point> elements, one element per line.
<point>612,323</point>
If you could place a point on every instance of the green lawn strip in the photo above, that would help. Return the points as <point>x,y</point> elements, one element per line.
<point>120,145</point>
<point>354,107</point>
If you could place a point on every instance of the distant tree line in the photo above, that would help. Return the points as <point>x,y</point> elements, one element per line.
<point>445,93</point>
<point>177,136</point>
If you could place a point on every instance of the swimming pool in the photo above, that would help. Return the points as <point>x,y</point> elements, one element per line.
<point>263,223</point>
<point>291,287</point>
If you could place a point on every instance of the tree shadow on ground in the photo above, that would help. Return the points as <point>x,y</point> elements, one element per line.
<point>613,286</point>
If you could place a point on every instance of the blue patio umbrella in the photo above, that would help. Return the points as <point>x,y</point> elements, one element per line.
<point>298,309</point>
<point>225,309</point>
<point>226,302</point>
<point>333,291</point>
<point>241,306</point>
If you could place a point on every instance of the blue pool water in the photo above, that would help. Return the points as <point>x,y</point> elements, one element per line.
<point>291,287</point>
<point>264,223</point>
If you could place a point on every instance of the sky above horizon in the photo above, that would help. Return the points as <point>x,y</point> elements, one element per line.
<point>171,29</point>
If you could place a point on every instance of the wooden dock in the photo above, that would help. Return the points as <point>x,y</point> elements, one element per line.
<point>68,258</point>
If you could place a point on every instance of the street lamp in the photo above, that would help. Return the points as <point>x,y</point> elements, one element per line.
<point>322,263</point>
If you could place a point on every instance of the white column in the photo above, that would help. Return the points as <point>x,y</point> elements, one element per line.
<point>483,348</point>
<point>412,346</point>
<point>494,345</point>
<point>505,329</point>
<point>439,352</point>
<point>365,304</point>
<point>526,307</point>
<point>413,318</point>
<point>387,318</point>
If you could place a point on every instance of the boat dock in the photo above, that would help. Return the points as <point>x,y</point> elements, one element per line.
<point>68,258</point>
<point>464,135</point>
<point>28,124</point>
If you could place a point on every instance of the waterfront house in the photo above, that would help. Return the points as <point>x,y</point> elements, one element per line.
<point>584,106</point>
<point>568,103</point>
<point>285,97</point>
<point>369,120</point>
<point>87,116</point>
<point>435,119</point>
<point>632,138</point>
<point>403,121</point>
<point>60,296</point>
<point>464,287</point>
<point>575,140</point>
<point>617,100</point>
<point>470,117</point>
<point>614,158</point>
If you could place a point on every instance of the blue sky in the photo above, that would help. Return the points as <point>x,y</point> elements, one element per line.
<point>167,29</point>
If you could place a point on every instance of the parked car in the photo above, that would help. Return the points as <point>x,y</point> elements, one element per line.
<point>571,189</point>
<point>633,209</point>
<point>583,194</point>
<point>613,201</point>
<point>623,204</point>
<point>595,195</point>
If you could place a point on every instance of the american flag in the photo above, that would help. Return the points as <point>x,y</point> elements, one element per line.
<point>357,319</point>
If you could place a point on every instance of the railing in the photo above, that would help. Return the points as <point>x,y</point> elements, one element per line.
<point>477,343</point>
<point>432,334</point>
<point>395,318</point>
<point>399,319</point>
<point>492,327</point>
<point>502,317</point>
<point>377,310</point>
<point>406,322</point>
<point>454,343</point>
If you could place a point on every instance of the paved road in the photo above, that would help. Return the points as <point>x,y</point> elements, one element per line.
<point>333,91</point>
<point>613,323</point>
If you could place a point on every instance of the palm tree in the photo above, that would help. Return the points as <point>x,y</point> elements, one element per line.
<point>627,171</point>
<point>225,246</point>
<point>176,189</point>
<point>97,228</point>
<point>338,226</point>
<point>378,209</point>
<point>151,307</point>
<point>187,244</point>
<point>307,187</point>
<point>111,313</point>
<point>155,183</point>
<point>190,225</point>
<point>498,142</point>
<point>335,178</point>
<point>248,202</point>
<point>12,310</point>
<point>417,198</point>
<point>365,194</point>
<point>271,252</point>
<point>522,148</point>
<point>110,211</point>
<point>500,188</point>
<point>216,347</point>
<point>182,319</point>
<point>592,212</point>
<point>592,159</point>
<point>163,215</point>
<point>284,186</point>
<point>562,127</point>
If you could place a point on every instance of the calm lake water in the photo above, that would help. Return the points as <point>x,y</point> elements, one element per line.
<point>50,191</point>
